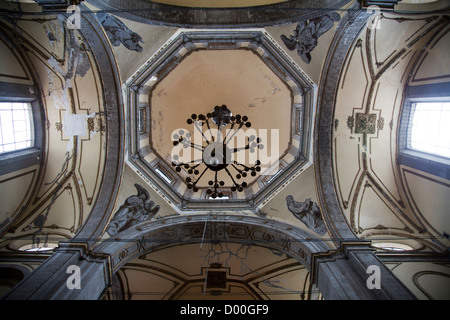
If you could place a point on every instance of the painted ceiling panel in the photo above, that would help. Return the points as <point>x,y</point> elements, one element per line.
<point>214,271</point>
<point>378,199</point>
<point>375,203</point>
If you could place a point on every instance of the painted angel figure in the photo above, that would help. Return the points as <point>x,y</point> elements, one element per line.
<point>309,213</point>
<point>307,33</point>
<point>136,209</point>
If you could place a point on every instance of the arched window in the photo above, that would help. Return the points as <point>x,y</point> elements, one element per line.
<point>21,127</point>
<point>38,247</point>
<point>391,246</point>
<point>424,134</point>
<point>16,126</point>
<point>430,128</point>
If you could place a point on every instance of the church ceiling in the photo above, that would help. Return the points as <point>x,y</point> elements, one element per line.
<point>370,184</point>
<point>183,80</point>
<point>163,74</point>
<point>220,271</point>
<point>71,168</point>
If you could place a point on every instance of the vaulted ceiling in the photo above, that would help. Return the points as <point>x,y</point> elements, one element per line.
<point>336,111</point>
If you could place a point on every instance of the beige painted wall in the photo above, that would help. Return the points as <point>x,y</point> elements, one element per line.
<point>369,183</point>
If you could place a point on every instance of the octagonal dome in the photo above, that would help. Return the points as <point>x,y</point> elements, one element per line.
<point>243,83</point>
<point>175,98</point>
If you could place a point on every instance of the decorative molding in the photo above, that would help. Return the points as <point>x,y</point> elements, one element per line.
<point>419,274</point>
<point>166,59</point>
<point>150,12</point>
<point>366,122</point>
<point>258,285</point>
<point>114,135</point>
<point>347,33</point>
<point>206,228</point>
<point>309,213</point>
<point>136,209</point>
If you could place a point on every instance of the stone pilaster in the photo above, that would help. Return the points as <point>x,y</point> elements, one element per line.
<point>69,274</point>
<point>354,272</point>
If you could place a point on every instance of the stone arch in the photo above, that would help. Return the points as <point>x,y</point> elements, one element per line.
<point>183,229</point>
<point>349,28</point>
<point>115,135</point>
<point>195,17</point>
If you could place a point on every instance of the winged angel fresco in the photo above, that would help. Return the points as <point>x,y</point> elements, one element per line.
<point>136,209</point>
<point>307,33</point>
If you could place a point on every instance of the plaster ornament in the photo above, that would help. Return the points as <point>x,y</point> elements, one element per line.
<point>307,33</point>
<point>136,209</point>
<point>309,213</point>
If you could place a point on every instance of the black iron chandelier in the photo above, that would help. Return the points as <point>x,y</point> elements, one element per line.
<point>216,151</point>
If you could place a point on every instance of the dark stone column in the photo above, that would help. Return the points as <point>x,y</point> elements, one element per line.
<point>55,279</point>
<point>355,273</point>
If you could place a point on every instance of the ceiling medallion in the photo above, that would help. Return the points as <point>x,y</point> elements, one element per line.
<point>215,143</point>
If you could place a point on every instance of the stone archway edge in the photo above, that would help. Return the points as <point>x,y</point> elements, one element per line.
<point>339,273</point>
<point>209,228</point>
<point>150,12</point>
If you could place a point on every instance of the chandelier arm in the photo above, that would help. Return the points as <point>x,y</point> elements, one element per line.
<point>240,126</point>
<point>231,176</point>
<point>241,148</point>
<point>231,129</point>
<point>198,179</point>
<point>216,183</point>
<point>207,141</point>
<point>243,165</point>
<point>209,129</point>
<point>184,163</point>
<point>194,167</point>
<point>197,147</point>
<point>237,169</point>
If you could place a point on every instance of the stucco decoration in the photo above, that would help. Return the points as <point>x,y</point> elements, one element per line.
<point>309,213</point>
<point>118,33</point>
<point>136,209</point>
<point>307,33</point>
